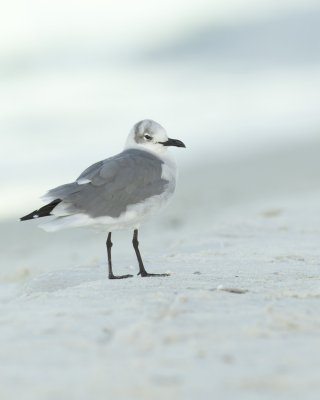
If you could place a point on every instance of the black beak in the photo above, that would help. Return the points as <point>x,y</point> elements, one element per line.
<point>173,142</point>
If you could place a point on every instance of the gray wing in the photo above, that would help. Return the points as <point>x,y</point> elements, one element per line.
<point>115,183</point>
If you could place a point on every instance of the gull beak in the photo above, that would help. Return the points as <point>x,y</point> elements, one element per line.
<point>173,142</point>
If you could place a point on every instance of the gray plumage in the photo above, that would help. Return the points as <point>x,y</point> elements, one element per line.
<point>115,183</point>
<point>119,192</point>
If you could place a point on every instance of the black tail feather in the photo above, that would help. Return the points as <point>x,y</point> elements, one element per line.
<point>44,211</point>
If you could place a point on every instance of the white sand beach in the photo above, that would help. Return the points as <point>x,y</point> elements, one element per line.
<point>238,317</point>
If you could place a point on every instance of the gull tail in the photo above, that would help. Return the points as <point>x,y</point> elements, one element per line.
<point>44,211</point>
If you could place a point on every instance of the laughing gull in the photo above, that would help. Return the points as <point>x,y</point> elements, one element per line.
<point>119,192</point>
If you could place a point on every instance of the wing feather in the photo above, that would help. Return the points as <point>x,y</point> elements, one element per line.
<point>115,183</point>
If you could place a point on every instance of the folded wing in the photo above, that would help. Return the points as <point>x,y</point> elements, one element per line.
<point>111,185</point>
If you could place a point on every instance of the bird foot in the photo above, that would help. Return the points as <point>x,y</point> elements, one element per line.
<point>146,274</point>
<point>111,276</point>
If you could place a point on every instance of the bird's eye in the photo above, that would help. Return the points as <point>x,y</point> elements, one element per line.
<point>148,137</point>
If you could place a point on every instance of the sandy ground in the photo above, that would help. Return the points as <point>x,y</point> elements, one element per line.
<point>238,317</point>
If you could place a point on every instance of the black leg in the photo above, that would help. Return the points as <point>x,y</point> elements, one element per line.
<point>142,270</point>
<point>111,276</point>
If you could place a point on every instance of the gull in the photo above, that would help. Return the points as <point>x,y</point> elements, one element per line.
<point>119,192</point>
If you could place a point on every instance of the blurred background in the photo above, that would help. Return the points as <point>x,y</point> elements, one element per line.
<point>233,80</point>
<point>239,83</point>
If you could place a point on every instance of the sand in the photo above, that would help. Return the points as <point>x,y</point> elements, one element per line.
<point>238,317</point>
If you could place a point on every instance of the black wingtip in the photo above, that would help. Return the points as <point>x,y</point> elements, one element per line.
<point>44,211</point>
<point>32,215</point>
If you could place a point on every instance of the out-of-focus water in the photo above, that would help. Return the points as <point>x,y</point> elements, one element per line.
<point>226,80</point>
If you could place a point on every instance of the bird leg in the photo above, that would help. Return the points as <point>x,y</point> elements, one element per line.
<point>111,276</point>
<point>142,270</point>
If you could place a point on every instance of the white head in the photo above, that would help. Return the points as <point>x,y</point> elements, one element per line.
<point>151,136</point>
